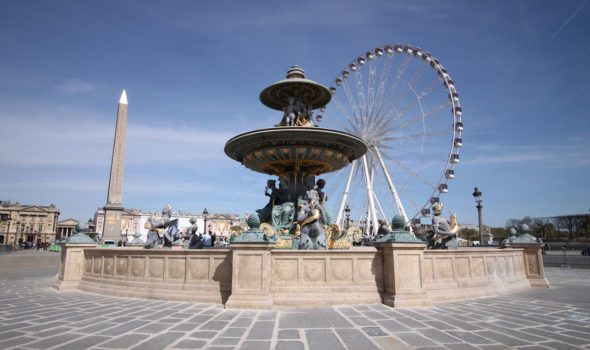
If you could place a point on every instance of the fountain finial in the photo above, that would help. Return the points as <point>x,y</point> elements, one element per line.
<point>296,72</point>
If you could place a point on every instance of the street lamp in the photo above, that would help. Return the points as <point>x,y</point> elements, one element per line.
<point>347,211</point>
<point>477,195</point>
<point>16,236</point>
<point>7,232</point>
<point>205,213</point>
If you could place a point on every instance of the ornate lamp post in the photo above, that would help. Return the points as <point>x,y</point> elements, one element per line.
<point>17,236</point>
<point>347,211</point>
<point>205,213</point>
<point>477,195</point>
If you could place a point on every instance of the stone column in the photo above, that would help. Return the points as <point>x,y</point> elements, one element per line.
<point>72,265</point>
<point>533,263</point>
<point>402,274</point>
<point>114,207</point>
<point>250,276</point>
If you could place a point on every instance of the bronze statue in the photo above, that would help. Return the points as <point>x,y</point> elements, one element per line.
<point>444,234</point>
<point>156,226</point>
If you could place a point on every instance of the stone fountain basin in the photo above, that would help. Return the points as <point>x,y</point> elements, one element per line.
<point>282,150</point>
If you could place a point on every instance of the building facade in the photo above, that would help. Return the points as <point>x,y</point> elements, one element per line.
<point>133,222</point>
<point>20,224</point>
<point>66,228</point>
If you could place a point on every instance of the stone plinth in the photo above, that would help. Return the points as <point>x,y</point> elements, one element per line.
<point>402,274</point>
<point>72,265</point>
<point>250,277</point>
<point>533,263</point>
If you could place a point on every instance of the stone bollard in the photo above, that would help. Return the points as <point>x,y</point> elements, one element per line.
<point>72,265</point>
<point>403,258</point>
<point>533,263</point>
<point>250,288</point>
<point>250,285</point>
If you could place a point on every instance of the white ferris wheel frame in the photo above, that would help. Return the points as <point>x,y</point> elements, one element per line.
<point>368,174</point>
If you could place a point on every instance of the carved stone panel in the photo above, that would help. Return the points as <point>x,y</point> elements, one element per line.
<point>314,270</point>
<point>97,268</point>
<point>510,265</point>
<point>250,271</point>
<point>444,268</point>
<point>199,269</point>
<point>478,269</point>
<point>501,266</point>
<point>88,265</point>
<point>341,270</point>
<point>368,269</point>
<point>156,268</point>
<point>122,264</point>
<point>531,259</point>
<point>222,269</point>
<point>492,266</point>
<point>77,261</point>
<point>462,265</point>
<point>285,270</point>
<point>409,280</point>
<point>109,263</point>
<point>428,269</point>
<point>176,268</point>
<point>138,267</point>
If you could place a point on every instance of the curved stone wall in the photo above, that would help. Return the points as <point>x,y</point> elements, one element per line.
<point>257,276</point>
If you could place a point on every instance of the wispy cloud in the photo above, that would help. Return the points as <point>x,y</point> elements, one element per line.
<point>75,86</point>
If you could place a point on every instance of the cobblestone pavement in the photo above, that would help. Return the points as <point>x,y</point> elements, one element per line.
<point>35,316</point>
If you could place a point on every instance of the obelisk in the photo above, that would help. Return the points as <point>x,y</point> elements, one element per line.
<point>114,207</point>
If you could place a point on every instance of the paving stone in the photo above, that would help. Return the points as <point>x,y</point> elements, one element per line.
<point>313,319</point>
<point>393,326</point>
<point>53,341</point>
<point>153,328</point>
<point>200,318</point>
<point>204,334</point>
<point>353,339</point>
<point>261,330</point>
<point>289,345</point>
<point>11,334</point>
<point>374,331</point>
<point>125,341</point>
<point>51,332</point>
<point>461,346</point>
<point>361,321</point>
<point>559,345</point>
<point>390,343</point>
<point>225,341</point>
<point>322,339</point>
<point>470,337</point>
<point>414,339</point>
<point>84,343</point>
<point>190,344</point>
<point>255,345</point>
<point>233,332</point>
<point>556,336</point>
<point>242,322</point>
<point>503,338</point>
<point>185,327</point>
<point>159,342</point>
<point>15,342</point>
<point>288,334</point>
<point>124,328</point>
<point>214,325</point>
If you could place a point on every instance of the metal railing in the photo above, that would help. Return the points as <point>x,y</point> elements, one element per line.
<point>567,255</point>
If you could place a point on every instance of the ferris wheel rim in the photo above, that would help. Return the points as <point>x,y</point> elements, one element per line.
<point>448,170</point>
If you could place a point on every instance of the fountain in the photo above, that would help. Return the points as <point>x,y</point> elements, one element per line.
<point>295,150</point>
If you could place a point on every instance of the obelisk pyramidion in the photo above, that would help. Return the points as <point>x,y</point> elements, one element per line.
<point>114,207</point>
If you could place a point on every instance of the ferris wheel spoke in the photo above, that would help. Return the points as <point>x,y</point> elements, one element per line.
<point>350,98</point>
<point>418,135</point>
<point>383,80</point>
<point>410,83</point>
<point>427,114</point>
<point>371,85</point>
<point>414,174</point>
<point>360,93</point>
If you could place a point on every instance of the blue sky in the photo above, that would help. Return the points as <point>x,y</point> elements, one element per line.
<point>193,72</point>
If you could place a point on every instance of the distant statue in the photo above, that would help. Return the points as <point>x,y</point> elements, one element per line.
<point>444,234</point>
<point>511,237</point>
<point>525,237</point>
<point>283,209</point>
<point>194,238</point>
<point>311,231</point>
<point>270,191</point>
<point>156,226</point>
<point>384,229</point>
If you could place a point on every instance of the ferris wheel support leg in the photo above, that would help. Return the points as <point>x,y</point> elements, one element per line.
<point>398,202</point>
<point>339,217</point>
<point>369,185</point>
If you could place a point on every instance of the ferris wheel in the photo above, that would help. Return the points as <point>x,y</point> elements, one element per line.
<point>403,103</point>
